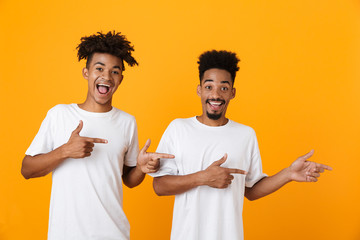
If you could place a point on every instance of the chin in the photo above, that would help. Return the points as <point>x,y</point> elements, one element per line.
<point>213,116</point>
<point>103,102</point>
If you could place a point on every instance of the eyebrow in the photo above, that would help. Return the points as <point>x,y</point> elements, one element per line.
<point>210,80</point>
<point>102,64</point>
<point>226,82</point>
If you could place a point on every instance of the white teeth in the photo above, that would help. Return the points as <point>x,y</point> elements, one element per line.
<point>105,85</point>
<point>215,103</point>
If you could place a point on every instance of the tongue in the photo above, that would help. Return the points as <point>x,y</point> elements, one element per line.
<point>215,107</point>
<point>102,89</point>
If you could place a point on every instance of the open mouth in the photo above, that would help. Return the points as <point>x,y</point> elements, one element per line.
<point>103,88</point>
<point>215,104</point>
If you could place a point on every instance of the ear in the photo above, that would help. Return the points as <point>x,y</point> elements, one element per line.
<point>85,73</point>
<point>198,90</point>
<point>233,93</point>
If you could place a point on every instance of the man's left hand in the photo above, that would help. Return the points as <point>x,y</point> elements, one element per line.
<point>302,170</point>
<point>150,162</point>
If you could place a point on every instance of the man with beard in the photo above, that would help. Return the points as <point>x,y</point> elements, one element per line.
<point>91,149</point>
<point>209,194</point>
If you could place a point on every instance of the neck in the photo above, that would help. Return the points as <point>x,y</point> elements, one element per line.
<point>211,122</point>
<point>95,107</point>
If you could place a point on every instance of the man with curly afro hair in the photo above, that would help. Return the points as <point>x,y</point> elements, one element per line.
<point>217,161</point>
<point>91,148</point>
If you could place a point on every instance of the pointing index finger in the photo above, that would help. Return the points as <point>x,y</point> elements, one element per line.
<point>97,140</point>
<point>236,171</point>
<point>162,155</point>
<point>323,166</point>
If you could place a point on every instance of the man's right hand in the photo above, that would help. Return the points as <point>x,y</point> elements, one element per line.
<point>80,147</point>
<point>220,177</point>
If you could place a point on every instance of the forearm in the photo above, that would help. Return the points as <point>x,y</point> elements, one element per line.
<point>42,164</point>
<point>133,176</point>
<point>268,185</point>
<point>173,185</point>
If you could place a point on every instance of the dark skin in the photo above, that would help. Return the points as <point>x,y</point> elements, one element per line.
<point>216,90</point>
<point>104,69</point>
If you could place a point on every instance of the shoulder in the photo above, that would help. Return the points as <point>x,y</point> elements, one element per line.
<point>243,128</point>
<point>58,109</point>
<point>121,115</point>
<point>180,122</point>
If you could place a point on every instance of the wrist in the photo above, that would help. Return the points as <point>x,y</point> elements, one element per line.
<point>63,153</point>
<point>200,178</point>
<point>288,174</point>
<point>138,169</point>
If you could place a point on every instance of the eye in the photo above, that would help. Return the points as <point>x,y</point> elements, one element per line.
<point>208,87</point>
<point>99,69</point>
<point>224,88</point>
<point>115,72</point>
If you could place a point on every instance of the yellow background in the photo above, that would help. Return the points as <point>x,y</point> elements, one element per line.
<point>298,87</point>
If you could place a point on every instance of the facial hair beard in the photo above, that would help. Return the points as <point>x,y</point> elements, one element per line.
<point>213,116</point>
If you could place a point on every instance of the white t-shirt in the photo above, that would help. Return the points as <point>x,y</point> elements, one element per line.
<point>86,195</point>
<point>206,213</point>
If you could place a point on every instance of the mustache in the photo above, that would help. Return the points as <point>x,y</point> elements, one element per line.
<point>216,100</point>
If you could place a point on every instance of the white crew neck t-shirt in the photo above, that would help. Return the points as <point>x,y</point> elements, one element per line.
<point>206,213</point>
<point>86,195</point>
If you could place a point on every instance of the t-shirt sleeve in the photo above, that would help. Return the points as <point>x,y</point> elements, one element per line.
<point>44,139</point>
<point>167,145</point>
<point>255,172</point>
<point>133,149</point>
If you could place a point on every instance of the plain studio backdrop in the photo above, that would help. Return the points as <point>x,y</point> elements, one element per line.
<point>298,87</point>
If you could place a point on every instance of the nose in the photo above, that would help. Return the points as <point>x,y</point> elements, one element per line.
<point>106,75</point>
<point>215,93</point>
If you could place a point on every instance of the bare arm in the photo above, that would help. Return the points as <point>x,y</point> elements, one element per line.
<point>147,162</point>
<point>132,176</point>
<point>267,185</point>
<point>42,164</point>
<point>173,185</point>
<point>300,170</point>
<point>214,176</point>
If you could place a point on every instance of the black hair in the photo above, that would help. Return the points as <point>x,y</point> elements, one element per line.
<point>112,42</point>
<point>218,59</point>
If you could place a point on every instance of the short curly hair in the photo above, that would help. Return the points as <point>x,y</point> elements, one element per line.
<point>112,42</point>
<point>218,59</point>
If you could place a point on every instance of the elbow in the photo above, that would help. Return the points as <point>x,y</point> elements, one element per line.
<point>29,170</point>
<point>25,174</point>
<point>25,171</point>
<point>251,198</point>
<point>251,195</point>
<point>157,188</point>
<point>131,185</point>
<point>158,191</point>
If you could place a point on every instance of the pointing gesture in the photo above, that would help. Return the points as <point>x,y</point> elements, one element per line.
<point>150,162</point>
<point>302,170</point>
<point>220,177</point>
<point>80,147</point>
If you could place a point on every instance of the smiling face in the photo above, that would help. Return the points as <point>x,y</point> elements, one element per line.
<point>104,75</point>
<point>216,91</point>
